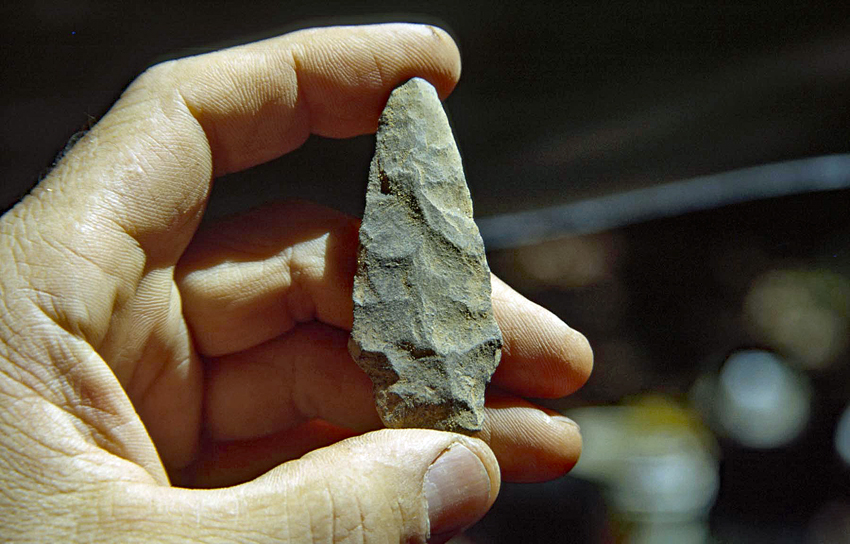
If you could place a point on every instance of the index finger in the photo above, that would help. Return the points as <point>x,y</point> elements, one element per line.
<point>261,100</point>
<point>146,167</point>
<point>128,197</point>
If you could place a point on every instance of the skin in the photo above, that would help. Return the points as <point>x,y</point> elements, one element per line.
<point>142,359</point>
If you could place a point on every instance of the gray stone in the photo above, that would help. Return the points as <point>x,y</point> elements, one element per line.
<point>424,329</point>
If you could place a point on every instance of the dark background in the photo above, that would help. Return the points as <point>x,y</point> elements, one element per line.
<point>558,103</point>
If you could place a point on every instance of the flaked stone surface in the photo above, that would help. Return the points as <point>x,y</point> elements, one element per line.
<point>424,329</point>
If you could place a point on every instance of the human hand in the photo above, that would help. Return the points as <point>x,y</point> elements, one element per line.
<point>135,352</point>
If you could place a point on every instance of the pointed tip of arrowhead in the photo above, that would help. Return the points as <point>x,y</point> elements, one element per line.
<point>414,120</point>
<point>418,83</point>
<point>414,88</point>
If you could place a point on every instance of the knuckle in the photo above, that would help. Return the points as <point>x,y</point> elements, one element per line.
<point>157,73</point>
<point>154,83</point>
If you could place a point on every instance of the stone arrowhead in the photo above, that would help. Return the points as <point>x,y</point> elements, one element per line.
<point>424,329</point>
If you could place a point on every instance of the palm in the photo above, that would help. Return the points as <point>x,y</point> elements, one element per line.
<point>255,319</point>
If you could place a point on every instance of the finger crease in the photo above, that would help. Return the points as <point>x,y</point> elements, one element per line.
<point>301,99</point>
<point>381,78</point>
<point>299,303</point>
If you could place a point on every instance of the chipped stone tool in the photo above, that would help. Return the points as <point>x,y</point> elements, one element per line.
<point>424,329</point>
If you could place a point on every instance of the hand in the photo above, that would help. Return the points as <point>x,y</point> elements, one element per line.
<point>135,352</point>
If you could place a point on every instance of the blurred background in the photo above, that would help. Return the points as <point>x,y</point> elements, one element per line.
<point>669,178</point>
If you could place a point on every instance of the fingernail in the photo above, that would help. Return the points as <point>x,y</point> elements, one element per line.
<point>457,487</point>
<point>566,421</point>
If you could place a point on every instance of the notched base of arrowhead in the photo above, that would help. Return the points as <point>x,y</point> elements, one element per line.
<point>401,410</point>
<point>411,404</point>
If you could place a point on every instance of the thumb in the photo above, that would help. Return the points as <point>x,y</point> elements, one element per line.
<point>384,486</point>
